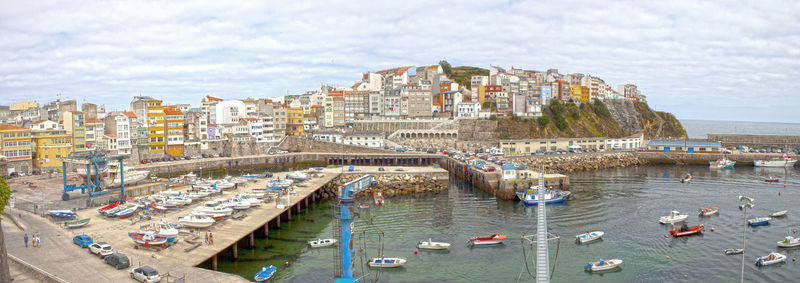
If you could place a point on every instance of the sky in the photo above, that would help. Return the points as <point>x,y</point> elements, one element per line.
<point>714,60</point>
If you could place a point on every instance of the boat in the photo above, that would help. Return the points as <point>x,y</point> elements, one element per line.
<point>265,274</point>
<point>721,163</point>
<point>131,177</point>
<point>76,223</point>
<point>256,175</point>
<point>158,207</point>
<point>772,180</point>
<point>148,238</point>
<point>379,200</point>
<point>687,178</point>
<point>279,184</point>
<point>686,231</point>
<point>170,193</point>
<point>386,262</point>
<point>589,236</point>
<point>126,212</point>
<point>771,258</point>
<point>108,207</point>
<point>165,229</point>
<point>297,176</point>
<point>789,242</point>
<point>67,214</point>
<point>784,161</point>
<point>101,170</point>
<point>531,197</point>
<point>733,251</point>
<point>779,213</point>
<point>488,240</point>
<point>320,243</point>
<point>673,217</point>
<point>761,221</point>
<point>188,178</point>
<point>196,221</point>
<point>214,210</point>
<point>711,210</point>
<point>603,265</point>
<point>431,245</point>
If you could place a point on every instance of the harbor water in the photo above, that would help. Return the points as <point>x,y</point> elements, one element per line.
<point>625,203</point>
<point>699,129</point>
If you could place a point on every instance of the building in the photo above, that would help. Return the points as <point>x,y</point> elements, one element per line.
<point>267,129</point>
<point>687,146</point>
<point>139,108</point>
<point>334,110</point>
<point>468,109</point>
<point>419,101</point>
<point>632,142</point>
<point>174,130</point>
<point>50,146</point>
<point>73,123</point>
<point>155,126</point>
<point>365,138</point>
<point>94,132</point>
<point>118,125</point>
<point>531,146</point>
<point>45,125</point>
<point>227,112</point>
<point>255,127</point>
<point>15,148</point>
<point>294,122</point>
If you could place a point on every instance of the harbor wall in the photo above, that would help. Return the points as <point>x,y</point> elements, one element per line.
<point>493,183</point>
<point>581,162</point>
<point>756,141</point>
<point>399,183</point>
<point>681,158</point>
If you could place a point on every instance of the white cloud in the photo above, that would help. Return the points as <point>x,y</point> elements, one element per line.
<point>697,59</point>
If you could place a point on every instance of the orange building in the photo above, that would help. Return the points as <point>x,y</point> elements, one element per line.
<point>155,126</point>
<point>174,126</point>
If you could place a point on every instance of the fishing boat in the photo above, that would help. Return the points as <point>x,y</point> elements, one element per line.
<point>687,178</point>
<point>101,170</point>
<point>761,221</point>
<point>779,213</point>
<point>297,176</point>
<point>531,197</point>
<point>488,240</point>
<point>589,236</point>
<point>321,243</point>
<point>214,209</point>
<point>127,211</point>
<point>255,175</point>
<point>131,177</point>
<point>188,178</point>
<point>771,258</point>
<point>686,231</point>
<point>76,223</point>
<point>195,221</point>
<point>789,242</point>
<point>772,180</point>
<point>148,238</point>
<point>603,265</point>
<point>708,211</point>
<point>67,214</point>
<point>215,216</point>
<point>165,229</point>
<point>180,201</point>
<point>158,207</point>
<point>278,184</point>
<point>386,262</point>
<point>108,207</point>
<point>265,274</point>
<point>733,251</point>
<point>378,198</point>
<point>673,217</point>
<point>784,161</point>
<point>431,245</point>
<point>722,163</point>
<point>237,205</point>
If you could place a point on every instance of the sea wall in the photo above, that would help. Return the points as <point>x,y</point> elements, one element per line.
<point>681,158</point>
<point>399,183</point>
<point>493,183</point>
<point>581,162</point>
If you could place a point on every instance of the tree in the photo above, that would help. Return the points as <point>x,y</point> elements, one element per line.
<point>5,195</point>
<point>543,121</point>
<point>446,68</point>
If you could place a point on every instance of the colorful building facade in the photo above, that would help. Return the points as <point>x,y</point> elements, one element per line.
<point>155,126</point>
<point>15,148</point>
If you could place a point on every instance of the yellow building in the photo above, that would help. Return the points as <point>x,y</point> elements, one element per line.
<point>25,105</point>
<point>74,125</point>
<point>155,125</point>
<point>174,124</point>
<point>294,122</point>
<point>481,94</point>
<point>50,147</point>
<point>15,148</point>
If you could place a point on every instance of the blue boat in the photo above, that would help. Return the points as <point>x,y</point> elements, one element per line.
<point>529,197</point>
<point>66,214</point>
<point>761,221</point>
<point>265,274</point>
<point>257,175</point>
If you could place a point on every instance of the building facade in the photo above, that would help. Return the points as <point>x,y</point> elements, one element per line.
<point>15,147</point>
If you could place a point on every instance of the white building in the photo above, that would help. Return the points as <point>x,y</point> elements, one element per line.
<point>255,127</point>
<point>365,139</point>
<point>227,112</point>
<point>468,109</point>
<point>267,129</point>
<point>632,142</point>
<point>45,125</point>
<point>111,143</point>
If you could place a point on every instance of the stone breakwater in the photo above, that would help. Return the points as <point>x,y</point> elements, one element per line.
<point>581,162</point>
<point>396,184</point>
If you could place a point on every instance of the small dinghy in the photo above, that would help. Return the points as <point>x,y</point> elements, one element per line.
<point>158,207</point>
<point>772,180</point>
<point>590,236</point>
<point>265,274</point>
<point>602,265</point>
<point>108,207</point>
<point>126,212</point>
<point>298,176</point>
<point>779,213</point>
<point>761,221</point>
<point>386,262</point>
<point>708,211</point>
<point>195,221</point>
<point>488,240</point>
<point>67,214</point>
<point>733,251</point>
<point>378,198</point>
<point>686,231</point>
<point>771,258</point>
<point>431,245</point>
<point>77,223</point>
<point>789,242</point>
<point>687,178</point>
<point>148,238</point>
<point>321,243</point>
<point>673,217</point>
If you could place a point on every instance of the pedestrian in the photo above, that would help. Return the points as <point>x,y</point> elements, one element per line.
<point>38,241</point>
<point>210,238</point>
<point>206,238</point>
<point>26,240</point>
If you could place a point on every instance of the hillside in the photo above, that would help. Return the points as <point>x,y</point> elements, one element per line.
<point>462,75</point>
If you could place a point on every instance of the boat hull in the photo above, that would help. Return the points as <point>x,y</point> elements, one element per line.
<point>433,246</point>
<point>764,260</point>
<point>589,237</point>
<point>386,262</point>
<point>774,163</point>
<point>692,231</point>
<point>533,200</point>
<point>607,265</point>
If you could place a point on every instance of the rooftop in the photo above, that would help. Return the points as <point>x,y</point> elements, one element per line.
<point>8,127</point>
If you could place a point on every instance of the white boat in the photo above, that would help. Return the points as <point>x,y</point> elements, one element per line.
<point>673,217</point>
<point>431,245</point>
<point>170,193</point>
<point>733,251</point>
<point>789,242</point>
<point>723,162</point>
<point>320,243</point>
<point>131,177</point>
<point>188,178</point>
<point>386,262</point>
<point>214,210</point>
<point>603,265</point>
<point>784,161</point>
<point>195,221</point>
<point>237,205</point>
<point>590,236</point>
<point>779,213</point>
<point>297,176</point>
<point>180,200</point>
<point>771,258</point>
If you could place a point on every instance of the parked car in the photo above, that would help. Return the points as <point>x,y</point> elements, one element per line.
<point>401,150</point>
<point>82,240</point>
<point>118,261</point>
<point>490,169</point>
<point>145,274</point>
<point>101,249</point>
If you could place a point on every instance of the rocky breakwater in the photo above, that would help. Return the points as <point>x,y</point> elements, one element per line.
<point>581,162</point>
<point>397,184</point>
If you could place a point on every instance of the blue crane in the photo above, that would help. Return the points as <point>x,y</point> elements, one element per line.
<point>343,262</point>
<point>96,164</point>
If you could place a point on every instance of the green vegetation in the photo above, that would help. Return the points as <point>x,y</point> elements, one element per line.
<point>446,67</point>
<point>462,75</point>
<point>5,194</point>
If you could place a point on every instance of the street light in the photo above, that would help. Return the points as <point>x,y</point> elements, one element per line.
<point>748,202</point>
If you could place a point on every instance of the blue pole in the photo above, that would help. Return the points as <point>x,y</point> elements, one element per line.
<point>347,250</point>
<point>122,179</point>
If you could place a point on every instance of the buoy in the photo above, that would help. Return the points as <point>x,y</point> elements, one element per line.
<point>794,259</point>
<point>784,185</point>
<point>415,251</point>
<point>779,193</point>
<point>667,257</point>
<point>712,229</point>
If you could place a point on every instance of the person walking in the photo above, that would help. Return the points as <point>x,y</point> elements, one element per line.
<point>38,241</point>
<point>210,238</point>
<point>206,238</point>
<point>26,240</point>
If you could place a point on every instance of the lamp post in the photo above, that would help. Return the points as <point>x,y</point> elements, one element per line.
<point>748,201</point>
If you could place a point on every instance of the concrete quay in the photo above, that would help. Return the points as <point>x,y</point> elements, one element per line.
<point>681,158</point>
<point>493,183</point>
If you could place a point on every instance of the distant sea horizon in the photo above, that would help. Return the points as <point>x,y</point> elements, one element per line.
<point>699,129</point>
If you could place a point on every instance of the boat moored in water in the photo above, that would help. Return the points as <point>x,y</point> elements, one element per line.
<point>603,265</point>
<point>722,163</point>
<point>789,242</point>
<point>321,243</point>
<point>265,274</point>
<point>488,240</point>
<point>771,258</point>
<point>431,245</point>
<point>673,217</point>
<point>686,231</point>
<point>779,213</point>
<point>386,262</point>
<point>733,251</point>
<point>711,210</point>
<point>784,161</point>
<point>589,236</point>
<point>761,221</point>
<point>531,197</point>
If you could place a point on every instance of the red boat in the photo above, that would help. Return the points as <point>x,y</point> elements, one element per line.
<point>711,210</point>
<point>771,180</point>
<point>158,207</point>
<point>687,232</point>
<point>489,240</point>
<point>148,239</point>
<point>107,207</point>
